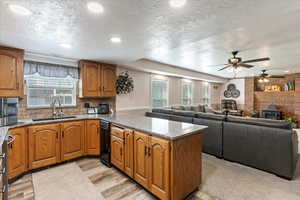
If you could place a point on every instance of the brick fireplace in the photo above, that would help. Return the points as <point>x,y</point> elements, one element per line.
<point>288,102</point>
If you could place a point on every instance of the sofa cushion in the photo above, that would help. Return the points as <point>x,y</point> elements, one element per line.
<point>177,107</point>
<point>184,113</point>
<point>210,116</point>
<point>188,108</point>
<point>167,111</point>
<point>179,118</point>
<point>261,122</point>
<point>157,115</point>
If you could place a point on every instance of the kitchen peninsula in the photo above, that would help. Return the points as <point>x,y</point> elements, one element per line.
<point>161,155</point>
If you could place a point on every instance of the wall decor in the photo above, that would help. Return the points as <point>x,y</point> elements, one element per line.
<point>232,92</point>
<point>124,83</point>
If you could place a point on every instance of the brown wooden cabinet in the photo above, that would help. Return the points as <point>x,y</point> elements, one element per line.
<point>17,153</point>
<point>11,72</point>
<point>72,140</point>
<point>108,80</point>
<point>93,137</point>
<point>128,152</point>
<point>44,145</point>
<point>97,79</point>
<point>152,164</point>
<point>141,159</point>
<point>159,164</point>
<point>117,152</point>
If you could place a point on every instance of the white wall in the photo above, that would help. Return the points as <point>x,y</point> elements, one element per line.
<point>140,97</point>
<point>240,85</point>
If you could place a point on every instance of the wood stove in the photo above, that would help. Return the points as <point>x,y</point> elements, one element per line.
<point>272,112</point>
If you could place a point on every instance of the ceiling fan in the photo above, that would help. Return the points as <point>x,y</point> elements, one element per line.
<point>236,62</point>
<point>263,77</point>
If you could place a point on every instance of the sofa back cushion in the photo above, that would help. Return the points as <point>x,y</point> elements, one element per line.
<point>210,116</point>
<point>261,122</point>
<point>177,107</point>
<point>184,113</point>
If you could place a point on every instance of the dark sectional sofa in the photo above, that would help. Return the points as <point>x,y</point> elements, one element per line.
<point>268,145</point>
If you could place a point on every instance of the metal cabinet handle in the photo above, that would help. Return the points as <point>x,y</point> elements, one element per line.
<point>3,188</point>
<point>145,151</point>
<point>2,156</point>
<point>12,139</point>
<point>149,151</point>
<point>3,171</point>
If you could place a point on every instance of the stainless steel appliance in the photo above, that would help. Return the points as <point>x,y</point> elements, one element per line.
<point>8,111</point>
<point>9,139</point>
<point>105,143</point>
<point>103,108</point>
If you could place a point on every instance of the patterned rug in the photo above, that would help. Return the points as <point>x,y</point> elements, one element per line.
<point>108,182</point>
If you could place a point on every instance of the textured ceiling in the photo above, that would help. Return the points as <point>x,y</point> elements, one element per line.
<point>201,33</point>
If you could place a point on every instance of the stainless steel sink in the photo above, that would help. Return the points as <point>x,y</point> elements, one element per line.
<point>53,118</point>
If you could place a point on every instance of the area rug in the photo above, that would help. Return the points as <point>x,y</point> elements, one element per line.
<point>65,182</point>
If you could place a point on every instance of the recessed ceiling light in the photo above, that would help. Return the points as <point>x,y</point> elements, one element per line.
<point>67,46</point>
<point>20,10</point>
<point>95,7</point>
<point>287,71</point>
<point>177,3</point>
<point>115,39</point>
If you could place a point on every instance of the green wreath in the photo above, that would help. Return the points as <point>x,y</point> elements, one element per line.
<point>124,83</point>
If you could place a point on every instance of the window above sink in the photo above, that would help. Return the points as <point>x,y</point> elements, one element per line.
<point>41,90</point>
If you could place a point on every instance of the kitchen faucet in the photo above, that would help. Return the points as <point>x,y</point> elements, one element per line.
<point>53,105</point>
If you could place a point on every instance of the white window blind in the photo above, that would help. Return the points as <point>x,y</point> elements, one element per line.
<point>41,90</point>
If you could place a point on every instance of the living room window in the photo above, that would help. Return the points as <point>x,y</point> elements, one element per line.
<point>186,92</point>
<point>206,93</point>
<point>159,91</point>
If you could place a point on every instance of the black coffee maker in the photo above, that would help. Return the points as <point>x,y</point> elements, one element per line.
<point>103,108</point>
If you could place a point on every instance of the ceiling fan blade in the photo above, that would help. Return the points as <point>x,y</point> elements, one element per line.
<point>245,65</point>
<point>225,67</point>
<point>256,60</point>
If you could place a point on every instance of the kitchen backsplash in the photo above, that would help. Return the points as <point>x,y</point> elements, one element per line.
<point>25,113</point>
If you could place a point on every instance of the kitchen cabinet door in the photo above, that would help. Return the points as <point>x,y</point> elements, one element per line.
<point>11,72</point>
<point>128,152</point>
<point>44,143</point>
<point>90,79</point>
<point>93,137</point>
<point>141,160</point>
<point>72,140</point>
<point>117,152</point>
<point>17,153</point>
<point>108,80</point>
<point>159,162</point>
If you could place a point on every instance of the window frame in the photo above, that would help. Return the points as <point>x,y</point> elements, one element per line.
<point>161,79</point>
<point>73,81</point>
<point>190,83</point>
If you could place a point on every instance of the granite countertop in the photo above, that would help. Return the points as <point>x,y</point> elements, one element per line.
<point>166,129</point>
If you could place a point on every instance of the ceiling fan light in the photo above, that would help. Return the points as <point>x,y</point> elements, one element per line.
<point>266,80</point>
<point>260,80</point>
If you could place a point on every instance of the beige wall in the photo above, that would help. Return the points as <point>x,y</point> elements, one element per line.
<point>140,97</point>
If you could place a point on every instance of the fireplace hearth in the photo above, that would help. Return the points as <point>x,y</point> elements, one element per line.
<point>272,112</point>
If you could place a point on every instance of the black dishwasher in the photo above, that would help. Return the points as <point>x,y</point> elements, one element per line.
<point>105,143</point>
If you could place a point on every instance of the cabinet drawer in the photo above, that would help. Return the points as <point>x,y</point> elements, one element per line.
<point>117,131</point>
